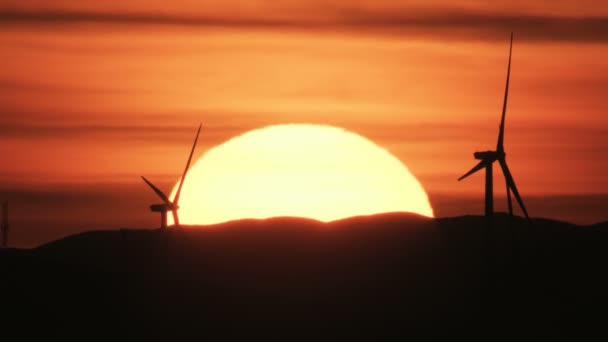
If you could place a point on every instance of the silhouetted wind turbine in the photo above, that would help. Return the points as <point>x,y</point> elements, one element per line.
<point>487,159</point>
<point>168,205</point>
<point>4,225</point>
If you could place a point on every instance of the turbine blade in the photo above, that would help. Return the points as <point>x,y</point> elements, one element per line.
<point>511,184</point>
<point>181,183</point>
<point>175,217</point>
<point>157,191</point>
<point>518,198</point>
<point>501,133</point>
<point>509,199</point>
<point>476,168</point>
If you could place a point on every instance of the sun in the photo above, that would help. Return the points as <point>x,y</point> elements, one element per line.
<point>313,171</point>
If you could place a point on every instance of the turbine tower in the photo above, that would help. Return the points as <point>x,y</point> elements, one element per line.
<point>487,159</point>
<point>4,226</point>
<point>168,205</point>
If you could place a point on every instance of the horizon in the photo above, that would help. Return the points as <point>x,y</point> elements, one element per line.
<point>63,213</point>
<point>92,96</point>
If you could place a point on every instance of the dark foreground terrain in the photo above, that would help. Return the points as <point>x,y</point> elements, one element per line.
<point>283,279</point>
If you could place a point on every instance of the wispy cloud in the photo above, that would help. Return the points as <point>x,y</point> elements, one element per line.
<point>123,127</point>
<point>441,24</point>
<point>169,128</point>
<point>49,87</point>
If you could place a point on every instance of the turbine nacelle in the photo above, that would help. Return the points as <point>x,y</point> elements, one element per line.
<point>163,207</point>
<point>489,155</point>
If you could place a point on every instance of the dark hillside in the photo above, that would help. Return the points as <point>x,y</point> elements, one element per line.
<point>383,275</point>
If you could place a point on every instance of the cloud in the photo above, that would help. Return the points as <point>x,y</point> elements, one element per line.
<point>439,24</point>
<point>218,126</point>
<point>530,131</point>
<point>39,87</point>
<point>165,128</point>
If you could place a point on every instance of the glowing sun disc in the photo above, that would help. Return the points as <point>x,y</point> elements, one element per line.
<point>312,171</point>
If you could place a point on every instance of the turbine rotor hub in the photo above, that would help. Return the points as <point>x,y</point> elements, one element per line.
<point>487,155</point>
<point>159,207</point>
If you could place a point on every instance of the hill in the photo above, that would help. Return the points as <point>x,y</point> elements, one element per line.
<point>285,278</point>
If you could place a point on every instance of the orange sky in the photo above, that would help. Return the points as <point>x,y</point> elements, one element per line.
<point>98,92</point>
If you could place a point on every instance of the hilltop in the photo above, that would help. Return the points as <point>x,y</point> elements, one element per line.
<point>381,275</point>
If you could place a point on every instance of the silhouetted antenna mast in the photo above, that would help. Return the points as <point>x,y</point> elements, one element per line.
<point>4,226</point>
<point>487,159</point>
<point>167,204</point>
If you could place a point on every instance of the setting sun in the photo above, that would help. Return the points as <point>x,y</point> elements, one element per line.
<point>313,171</point>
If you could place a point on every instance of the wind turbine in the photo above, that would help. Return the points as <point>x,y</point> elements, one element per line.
<point>487,159</point>
<point>168,205</point>
<point>4,225</point>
